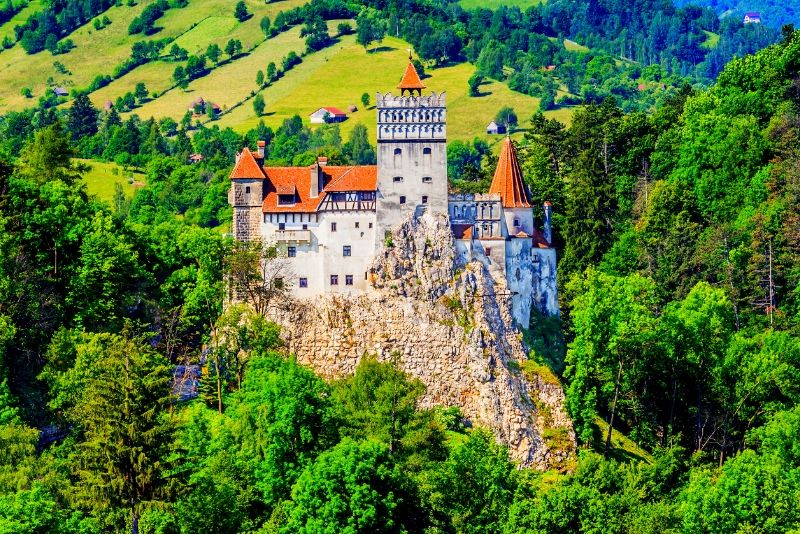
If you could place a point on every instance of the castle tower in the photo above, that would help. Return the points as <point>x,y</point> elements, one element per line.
<point>246,195</point>
<point>412,152</point>
<point>507,182</point>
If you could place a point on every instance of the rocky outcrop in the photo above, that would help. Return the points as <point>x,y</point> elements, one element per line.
<point>450,326</point>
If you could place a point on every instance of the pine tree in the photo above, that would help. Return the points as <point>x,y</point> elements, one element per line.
<point>82,118</point>
<point>124,462</point>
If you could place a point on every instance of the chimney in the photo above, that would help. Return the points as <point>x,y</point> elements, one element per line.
<point>316,178</point>
<point>548,226</point>
<point>261,145</point>
<point>322,160</point>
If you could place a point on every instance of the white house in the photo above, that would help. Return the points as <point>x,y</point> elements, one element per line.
<point>327,114</point>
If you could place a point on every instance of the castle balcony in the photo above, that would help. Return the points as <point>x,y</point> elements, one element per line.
<point>293,236</point>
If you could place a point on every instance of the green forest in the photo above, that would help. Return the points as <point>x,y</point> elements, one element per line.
<point>677,223</point>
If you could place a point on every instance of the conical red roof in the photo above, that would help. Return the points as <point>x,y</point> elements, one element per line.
<point>411,80</point>
<point>247,166</point>
<point>507,181</point>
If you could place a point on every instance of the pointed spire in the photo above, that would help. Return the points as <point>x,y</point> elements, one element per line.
<point>507,181</point>
<point>411,81</point>
<point>246,166</point>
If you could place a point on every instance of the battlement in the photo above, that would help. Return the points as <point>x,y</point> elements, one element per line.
<point>433,100</point>
<point>402,118</point>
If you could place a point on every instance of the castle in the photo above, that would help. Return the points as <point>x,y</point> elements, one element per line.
<point>330,220</point>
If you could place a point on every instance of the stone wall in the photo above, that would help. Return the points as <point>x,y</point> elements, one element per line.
<point>445,324</point>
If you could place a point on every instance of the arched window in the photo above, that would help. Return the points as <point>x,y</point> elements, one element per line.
<point>398,158</point>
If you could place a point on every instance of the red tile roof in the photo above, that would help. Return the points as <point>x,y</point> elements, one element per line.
<point>333,110</point>
<point>507,181</point>
<point>336,178</point>
<point>246,166</point>
<point>411,79</point>
<point>361,178</point>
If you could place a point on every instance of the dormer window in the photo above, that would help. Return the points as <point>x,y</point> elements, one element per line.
<point>286,200</point>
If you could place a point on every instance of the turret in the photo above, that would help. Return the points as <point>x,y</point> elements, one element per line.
<point>508,183</point>
<point>246,196</point>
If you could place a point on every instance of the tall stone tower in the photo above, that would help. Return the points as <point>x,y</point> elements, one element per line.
<point>246,195</point>
<point>412,152</point>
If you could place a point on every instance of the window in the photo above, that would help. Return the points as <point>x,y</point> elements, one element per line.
<point>397,179</point>
<point>397,151</point>
<point>291,252</point>
<point>348,280</point>
<point>516,221</point>
<point>346,250</point>
<point>488,251</point>
<point>286,200</point>
<point>305,227</point>
<point>281,226</point>
<point>402,199</point>
<point>424,199</point>
<point>333,227</point>
<point>370,225</point>
<point>426,151</point>
<point>365,275</point>
<point>278,283</point>
<point>356,224</point>
<point>334,279</point>
<point>247,190</point>
<point>303,282</point>
<point>427,180</point>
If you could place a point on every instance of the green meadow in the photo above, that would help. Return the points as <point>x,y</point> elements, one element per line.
<point>339,75</point>
<point>101,178</point>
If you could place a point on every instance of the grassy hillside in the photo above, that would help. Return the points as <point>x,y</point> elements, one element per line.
<point>494,4</point>
<point>7,29</point>
<point>99,51</point>
<point>335,76</point>
<point>102,177</point>
<point>712,41</point>
<point>225,85</point>
<point>339,75</point>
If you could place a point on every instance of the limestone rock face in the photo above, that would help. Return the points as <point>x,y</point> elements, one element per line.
<point>450,326</point>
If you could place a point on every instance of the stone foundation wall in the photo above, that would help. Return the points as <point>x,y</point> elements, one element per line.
<point>447,324</point>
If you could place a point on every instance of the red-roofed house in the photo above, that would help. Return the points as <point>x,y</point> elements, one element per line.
<point>327,114</point>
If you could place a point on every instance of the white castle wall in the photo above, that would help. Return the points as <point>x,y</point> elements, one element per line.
<point>323,254</point>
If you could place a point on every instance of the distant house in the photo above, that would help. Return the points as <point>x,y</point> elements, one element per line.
<point>754,17</point>
<point>495,129</point>
<point>108,106</point>
<point>198,107</point>
<point>327,114</point>
<point>195,158</point>
<point>60,91</point>
<point>352,108</point>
